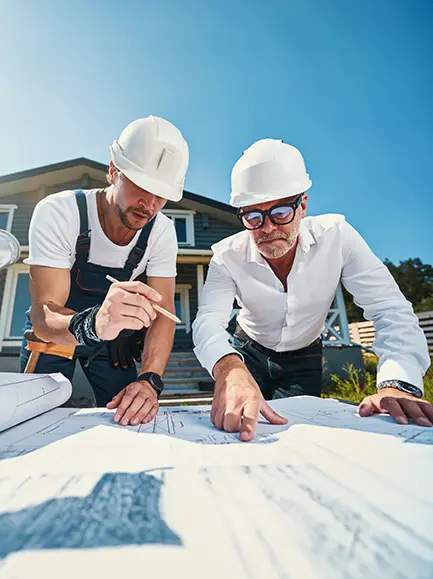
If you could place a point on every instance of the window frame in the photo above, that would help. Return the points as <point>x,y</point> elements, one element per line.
<point>189,220</point>
<point>185,316</point>
<point>8,304</point>
<point>10,210</point>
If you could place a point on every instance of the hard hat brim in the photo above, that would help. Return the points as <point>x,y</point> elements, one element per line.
<point>246,198</point>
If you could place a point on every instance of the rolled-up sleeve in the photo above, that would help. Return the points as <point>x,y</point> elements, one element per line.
<point>211,340</point>
<point>400,343</point>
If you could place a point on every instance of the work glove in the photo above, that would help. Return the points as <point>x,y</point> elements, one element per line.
<point>127,348</point>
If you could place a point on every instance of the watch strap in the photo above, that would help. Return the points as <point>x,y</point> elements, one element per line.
<point>402,386</point>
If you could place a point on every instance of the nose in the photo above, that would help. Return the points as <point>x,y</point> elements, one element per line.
<point>268,226</point>
<point>148,202</point>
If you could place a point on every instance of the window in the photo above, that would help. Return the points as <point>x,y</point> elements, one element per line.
<point>6,216</point>
<point>184,225</point>
<point>16,301</point>
<point>181,302</point>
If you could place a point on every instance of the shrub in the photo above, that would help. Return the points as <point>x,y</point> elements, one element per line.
<point>357,384</point>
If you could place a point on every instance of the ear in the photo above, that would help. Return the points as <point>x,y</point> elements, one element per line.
<point>304,204</point>
<point>112,173</point>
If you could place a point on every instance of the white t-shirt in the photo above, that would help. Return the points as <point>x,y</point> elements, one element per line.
<point>55,226</point>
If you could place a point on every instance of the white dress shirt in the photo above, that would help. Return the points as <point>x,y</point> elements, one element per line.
<point>329,251</point>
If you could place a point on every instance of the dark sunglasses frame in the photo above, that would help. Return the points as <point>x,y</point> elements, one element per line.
<point>294,205</point>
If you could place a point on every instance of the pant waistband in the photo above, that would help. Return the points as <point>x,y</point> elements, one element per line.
<point>239,332</point>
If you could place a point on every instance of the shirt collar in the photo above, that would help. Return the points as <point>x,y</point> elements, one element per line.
<point>253,254</point>
<point>306,238</point>
<point>305,241</point>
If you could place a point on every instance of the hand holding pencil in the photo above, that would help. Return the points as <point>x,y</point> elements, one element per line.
<point>159,309</point>
<point>128,305</point>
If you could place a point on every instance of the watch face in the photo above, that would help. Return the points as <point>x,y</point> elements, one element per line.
<point>157,382</point>
<point>154,380</point>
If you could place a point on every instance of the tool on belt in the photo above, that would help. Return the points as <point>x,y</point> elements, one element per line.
<point>36,347</point>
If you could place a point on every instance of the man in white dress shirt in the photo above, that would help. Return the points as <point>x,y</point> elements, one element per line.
<point>284,270</point>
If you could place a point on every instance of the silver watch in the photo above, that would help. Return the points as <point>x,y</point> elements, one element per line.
<point>402,386</point>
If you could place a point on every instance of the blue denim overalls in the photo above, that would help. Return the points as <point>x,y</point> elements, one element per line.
<point>89,287</point>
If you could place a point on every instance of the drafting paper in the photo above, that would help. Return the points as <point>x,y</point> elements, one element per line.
<point>23,396</point>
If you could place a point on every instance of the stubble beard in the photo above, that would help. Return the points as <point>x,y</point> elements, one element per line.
<point>284,242</point>
<point>123,216</point>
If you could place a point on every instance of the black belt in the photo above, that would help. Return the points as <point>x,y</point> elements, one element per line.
<point>240,333</point>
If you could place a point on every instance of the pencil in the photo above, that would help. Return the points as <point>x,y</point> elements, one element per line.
<point>155,306</point>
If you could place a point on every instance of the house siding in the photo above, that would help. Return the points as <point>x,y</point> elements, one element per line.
<point>208,229</point>
<point>27,201</point>
<point>205,236</point>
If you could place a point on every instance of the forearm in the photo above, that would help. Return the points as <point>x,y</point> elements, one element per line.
<point>50,323</point>
<point>158,345</point>
<point>232,364</point>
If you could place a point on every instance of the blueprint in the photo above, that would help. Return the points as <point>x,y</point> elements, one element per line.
<point>23,396</point>
<point>311,515</point>
<point>193,424</point>
<point>329,495</point>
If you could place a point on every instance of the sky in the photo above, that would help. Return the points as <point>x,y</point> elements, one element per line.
<point>348,83</point>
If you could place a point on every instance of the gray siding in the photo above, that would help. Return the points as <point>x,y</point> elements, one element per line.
<point>77,184</point>
<point>26,202</point>
<point>208,230</point>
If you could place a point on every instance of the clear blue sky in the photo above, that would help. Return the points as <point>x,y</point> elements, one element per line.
<point>349,83</point>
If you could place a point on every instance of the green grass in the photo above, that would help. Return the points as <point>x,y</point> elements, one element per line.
<point>355,385</point>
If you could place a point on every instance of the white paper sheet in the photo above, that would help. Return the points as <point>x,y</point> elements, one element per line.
<point>311,515</point>
<point>193,424</point>
<point>23,396</point>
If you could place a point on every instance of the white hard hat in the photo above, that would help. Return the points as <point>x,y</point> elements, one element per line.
<point>268,170</point>
<point>153,154</point>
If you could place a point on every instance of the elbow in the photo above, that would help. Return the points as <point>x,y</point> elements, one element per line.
<point>38,331</point>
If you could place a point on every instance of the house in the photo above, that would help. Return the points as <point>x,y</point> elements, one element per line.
<point>199,223</point>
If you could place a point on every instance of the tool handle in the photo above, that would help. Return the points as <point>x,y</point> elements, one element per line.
<point>32,363</point>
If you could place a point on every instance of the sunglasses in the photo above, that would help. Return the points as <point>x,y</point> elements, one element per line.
<point>278,214</point>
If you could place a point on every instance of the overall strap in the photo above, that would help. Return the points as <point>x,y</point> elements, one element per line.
<point>82,247</point>
<point>137,252</point>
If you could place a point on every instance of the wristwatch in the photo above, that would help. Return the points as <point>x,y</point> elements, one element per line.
<point>154,380</point>
<point>402,386</point>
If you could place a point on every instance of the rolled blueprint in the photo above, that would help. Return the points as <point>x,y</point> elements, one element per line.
<point>23,396</point>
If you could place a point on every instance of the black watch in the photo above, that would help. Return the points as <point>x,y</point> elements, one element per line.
<point>154,380</point>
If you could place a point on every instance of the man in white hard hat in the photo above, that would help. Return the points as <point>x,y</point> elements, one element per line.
<point>77,238</point>
<point>284,270</point>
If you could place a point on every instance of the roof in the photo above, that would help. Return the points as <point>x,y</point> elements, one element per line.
<point>83,161</point>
